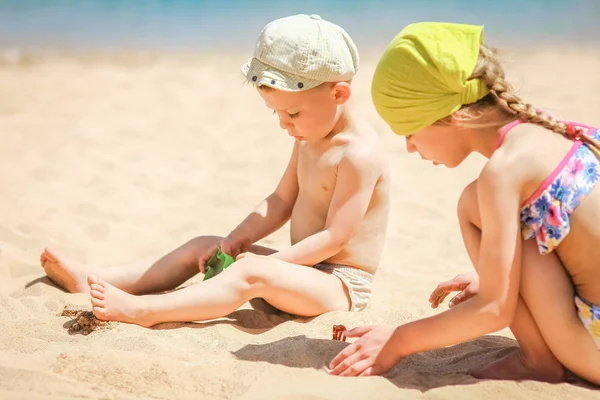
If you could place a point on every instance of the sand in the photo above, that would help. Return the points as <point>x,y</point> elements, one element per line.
<point>114,159</point>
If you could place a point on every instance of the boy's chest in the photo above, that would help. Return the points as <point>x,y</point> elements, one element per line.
<point>317,168</point>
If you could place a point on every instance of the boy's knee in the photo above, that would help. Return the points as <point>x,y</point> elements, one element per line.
<point>467,203</point>
<point>198,245</point>
<point>250,272</point>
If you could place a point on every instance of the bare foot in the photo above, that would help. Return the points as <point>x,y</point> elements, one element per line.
<point>110,303</point>
<point>66,274</point>
<point>515,367</point>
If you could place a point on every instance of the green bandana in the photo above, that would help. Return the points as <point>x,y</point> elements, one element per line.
<point>423,75</point>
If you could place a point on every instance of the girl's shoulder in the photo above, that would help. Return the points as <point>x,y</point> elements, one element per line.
<point>528,155</point>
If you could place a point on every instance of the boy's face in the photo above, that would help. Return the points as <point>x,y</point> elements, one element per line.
<point>311,114</point>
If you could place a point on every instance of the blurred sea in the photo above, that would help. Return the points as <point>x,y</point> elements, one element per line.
<point>230,25</point>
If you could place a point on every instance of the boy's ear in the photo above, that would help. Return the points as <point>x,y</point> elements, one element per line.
<point>341,92</point>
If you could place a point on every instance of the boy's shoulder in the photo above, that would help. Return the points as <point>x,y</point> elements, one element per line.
<point>362,148</point>
<point>359,138</point>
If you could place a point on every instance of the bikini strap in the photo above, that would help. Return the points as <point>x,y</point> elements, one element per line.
<point>576,134</point>
<point>505,130</point>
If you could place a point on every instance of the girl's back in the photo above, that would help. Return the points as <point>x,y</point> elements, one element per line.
<point>560,199</point>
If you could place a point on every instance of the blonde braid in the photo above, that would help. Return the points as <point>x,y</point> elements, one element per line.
<point>489,70</point>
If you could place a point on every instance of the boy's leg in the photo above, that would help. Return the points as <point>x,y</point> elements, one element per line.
<point>167,273</point>
<point>294,289</point>
<point>534,360</point>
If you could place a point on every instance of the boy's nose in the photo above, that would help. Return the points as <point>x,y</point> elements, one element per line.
<point>284,123</point>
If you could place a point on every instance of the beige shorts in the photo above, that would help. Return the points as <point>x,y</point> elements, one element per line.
<point>358,282</point>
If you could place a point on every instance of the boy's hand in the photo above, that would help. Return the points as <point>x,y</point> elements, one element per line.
<point>229,246</point>
<point>467,284</point>
<point>234,246</point>
<point>205,257</point>
<point>372,354</point>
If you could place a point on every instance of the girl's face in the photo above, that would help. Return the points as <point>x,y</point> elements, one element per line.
<point>440,144</point>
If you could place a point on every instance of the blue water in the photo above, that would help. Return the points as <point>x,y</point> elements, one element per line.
<point>213,25</point>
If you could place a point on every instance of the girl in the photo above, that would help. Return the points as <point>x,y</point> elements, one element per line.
<point>530,222</point>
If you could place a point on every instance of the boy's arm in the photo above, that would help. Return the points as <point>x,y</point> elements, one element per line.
<point>274,211</point>
<point>357,176</point>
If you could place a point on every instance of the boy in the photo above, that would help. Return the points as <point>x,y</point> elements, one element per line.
<point>335,191</point>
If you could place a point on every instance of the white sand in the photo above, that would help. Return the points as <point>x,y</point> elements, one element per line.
<point>123,158</point>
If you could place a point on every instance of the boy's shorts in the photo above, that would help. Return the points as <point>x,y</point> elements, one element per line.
<point>358,282</point>
<point>589,314</point>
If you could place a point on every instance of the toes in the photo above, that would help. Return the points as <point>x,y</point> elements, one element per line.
<point>43,259</point>
<point>50,254</point>
<point>99,312</point>
<point>102,284</point>
<point>92,279</point>
<point>97,294</point>
<point>99,286</point>
<point>97,302</point>
<point>47,265</point>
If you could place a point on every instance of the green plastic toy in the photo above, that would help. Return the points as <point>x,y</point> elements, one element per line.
<point>217,263</point>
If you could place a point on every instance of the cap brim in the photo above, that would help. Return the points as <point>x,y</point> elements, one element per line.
<point>261,74</point>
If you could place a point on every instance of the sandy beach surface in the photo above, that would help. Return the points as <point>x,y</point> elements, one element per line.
<point>121,158</point>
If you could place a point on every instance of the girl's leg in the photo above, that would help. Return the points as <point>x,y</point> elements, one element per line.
<point>167,273</point>
<point>534,360</point>
<point>294,289</point>
<point>548,291</point>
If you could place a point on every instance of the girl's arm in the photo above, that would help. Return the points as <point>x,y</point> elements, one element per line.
<point>357,176</point>
<point>499,273</point>
<point>274,211</point>
<point>378,349</point>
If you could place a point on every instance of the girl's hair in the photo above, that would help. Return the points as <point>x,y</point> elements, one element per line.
<point>502,95</point>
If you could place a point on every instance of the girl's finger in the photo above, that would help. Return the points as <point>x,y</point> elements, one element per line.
<point>357,367</point>
<point>444,287</point>
<point>368,372</point>
<point>459,298</point>
<point>358,332</point>
<point>334,365</point>
<point>347,367</point>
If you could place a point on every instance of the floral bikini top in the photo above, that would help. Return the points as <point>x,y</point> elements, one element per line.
<point>545,215</point>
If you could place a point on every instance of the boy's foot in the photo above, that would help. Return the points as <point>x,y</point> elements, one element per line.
<point>110,303</point>
<point>515,367</point>
<point>66,274</point>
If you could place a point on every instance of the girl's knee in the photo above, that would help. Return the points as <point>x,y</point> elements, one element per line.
<point>468,207</point>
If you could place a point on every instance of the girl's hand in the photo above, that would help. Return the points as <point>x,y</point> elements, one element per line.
<point>467,284</point>
<point>372,354</point>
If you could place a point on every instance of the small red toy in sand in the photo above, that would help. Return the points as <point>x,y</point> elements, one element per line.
<point>339,332</point>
